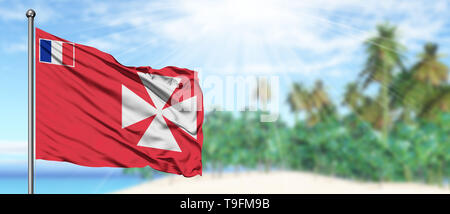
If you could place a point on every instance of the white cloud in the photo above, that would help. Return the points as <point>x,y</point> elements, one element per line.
<point>7,14</point>
<point>13,151</point>
<point>237,34</point>
<point>16,47</point>
<point>277,35</point>
<point>15,11</point>
<point>13,147</point>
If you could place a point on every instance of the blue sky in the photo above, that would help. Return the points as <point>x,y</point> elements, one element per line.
<point>296,41</point>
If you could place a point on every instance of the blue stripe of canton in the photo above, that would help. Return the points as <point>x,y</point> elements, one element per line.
<point>45,51</point>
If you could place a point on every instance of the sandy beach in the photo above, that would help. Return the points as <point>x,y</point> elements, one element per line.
<point>276,182</point>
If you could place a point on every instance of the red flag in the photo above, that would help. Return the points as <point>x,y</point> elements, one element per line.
<point>93,111</point>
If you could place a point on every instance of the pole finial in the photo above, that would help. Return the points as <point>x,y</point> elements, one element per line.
<point>30,13</point>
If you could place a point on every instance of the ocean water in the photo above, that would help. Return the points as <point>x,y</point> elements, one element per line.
<point>68,185</point>
<point>65,178</point>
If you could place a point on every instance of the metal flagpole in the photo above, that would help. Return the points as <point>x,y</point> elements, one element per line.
<point>30,15</point>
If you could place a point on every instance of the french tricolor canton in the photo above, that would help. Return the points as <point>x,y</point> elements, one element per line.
<point>57,52</point>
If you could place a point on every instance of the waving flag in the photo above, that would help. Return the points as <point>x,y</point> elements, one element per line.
<point>93,111</point>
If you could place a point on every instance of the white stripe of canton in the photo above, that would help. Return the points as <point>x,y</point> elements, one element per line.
<point>57,56</point>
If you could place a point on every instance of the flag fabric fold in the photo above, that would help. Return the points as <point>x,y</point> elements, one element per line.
<point>93,111</point>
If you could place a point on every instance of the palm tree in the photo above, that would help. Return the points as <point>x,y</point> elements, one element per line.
<point>429,69</point>
<point>320,104</point>
<point>353,96</point>
<point>298,100</point>
<point>432,76</point>
<point>321,99</point>
<point>423,88</point>
<point>383,59</point>
<point>438,101</point>
<point>319,96</point>
<point>371,111</point>
<point>316,103</point>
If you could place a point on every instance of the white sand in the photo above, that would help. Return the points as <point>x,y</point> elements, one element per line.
<point>275,182</point>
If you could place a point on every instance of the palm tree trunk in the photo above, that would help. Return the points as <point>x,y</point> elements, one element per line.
<point>385,106</point>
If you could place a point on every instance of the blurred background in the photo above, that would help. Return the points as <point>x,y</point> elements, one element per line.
<point>358,92</point>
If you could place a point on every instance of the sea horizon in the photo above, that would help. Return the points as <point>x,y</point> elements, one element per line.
<point>64,178</point>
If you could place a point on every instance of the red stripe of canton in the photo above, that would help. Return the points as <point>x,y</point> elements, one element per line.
<point>67,54</point>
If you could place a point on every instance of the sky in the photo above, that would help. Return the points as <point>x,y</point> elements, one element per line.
<point>296,41</point>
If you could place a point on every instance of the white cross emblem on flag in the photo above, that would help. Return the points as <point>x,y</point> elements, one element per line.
<point>158,135</point>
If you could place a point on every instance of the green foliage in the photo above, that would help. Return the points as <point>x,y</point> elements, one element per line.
<point>347,147</point>
<point>241,141</point>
